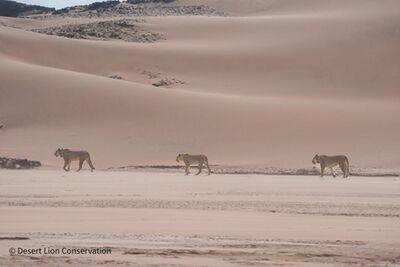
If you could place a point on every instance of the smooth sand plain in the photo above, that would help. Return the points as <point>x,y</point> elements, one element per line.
<point>156,219</point>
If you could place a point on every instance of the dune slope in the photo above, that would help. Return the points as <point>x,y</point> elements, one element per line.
<point>270,88</point>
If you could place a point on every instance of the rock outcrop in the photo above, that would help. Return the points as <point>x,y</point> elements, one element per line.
<point>10,163</point>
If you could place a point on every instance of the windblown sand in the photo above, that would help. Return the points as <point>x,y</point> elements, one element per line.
<point>155,219</point>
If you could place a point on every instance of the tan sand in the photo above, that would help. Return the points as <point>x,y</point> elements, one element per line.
<point>270,84</point>
<point>218,220</point>
<point>258,87</point>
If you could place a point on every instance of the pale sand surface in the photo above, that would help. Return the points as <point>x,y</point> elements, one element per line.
<point>156,219</point>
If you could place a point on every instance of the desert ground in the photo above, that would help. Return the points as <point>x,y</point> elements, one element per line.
<point>259,86</point>
<point>169,219</point>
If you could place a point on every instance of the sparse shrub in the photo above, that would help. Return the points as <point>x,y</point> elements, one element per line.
<point>135,2</point>
<point>102,5</point>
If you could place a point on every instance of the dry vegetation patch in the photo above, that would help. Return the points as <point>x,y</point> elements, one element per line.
<point>123,29</point>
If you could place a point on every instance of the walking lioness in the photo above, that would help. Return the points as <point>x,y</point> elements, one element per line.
<point>332,161</point>
<point>193,159</point>
<point>69,156</point>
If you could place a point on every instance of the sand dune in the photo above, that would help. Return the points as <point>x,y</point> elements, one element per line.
<point>277,79</point>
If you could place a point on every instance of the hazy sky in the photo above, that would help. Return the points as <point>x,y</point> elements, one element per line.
<point>58,3</point>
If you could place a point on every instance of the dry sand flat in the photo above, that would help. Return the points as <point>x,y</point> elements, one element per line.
<point>152,219</point>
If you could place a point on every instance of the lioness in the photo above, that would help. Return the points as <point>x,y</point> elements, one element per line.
<point>69,156</point>
<point>332,161</point>
<point>193,159</point>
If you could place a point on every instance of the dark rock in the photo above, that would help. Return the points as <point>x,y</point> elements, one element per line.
<point>117,77</point>
<point>167,82</point>
<point>10,163</point>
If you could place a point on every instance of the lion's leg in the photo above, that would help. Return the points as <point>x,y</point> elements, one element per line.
<point>65,165</point>
<point>80,165</point>
<point>322,170</point>
<point>89,161</point>
<point>333,172</point>
<point>208,168</point>
<point>187,166</point>
<point>200,167</point>
<point>343,168</point>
